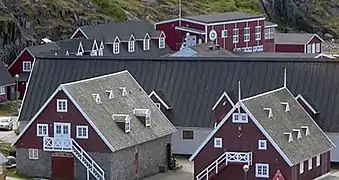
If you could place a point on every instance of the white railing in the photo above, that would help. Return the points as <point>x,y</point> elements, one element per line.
<point>222,161</point>
<point>57,144</point>
<point>87,161</point>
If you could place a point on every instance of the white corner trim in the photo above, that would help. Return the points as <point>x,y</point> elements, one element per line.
<point>255,121</point>
<point>314,35</point>
<point>325,55</point>
<point>224,94</point>
<point>211,134</point>
<point>76,31</point>
<point>299,96</point>
<point>166,21</point>
<point>153,93</point>
<point>87,118</point>
<point>271,26</point>
<point>322,176</point>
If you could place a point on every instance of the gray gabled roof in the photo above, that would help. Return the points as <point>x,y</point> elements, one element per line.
<point>281,122</point>
<point>292,38</point>
<point>101,114</point>
<point>5,76</point>
<point>43,48</point>
<point>193,85</point>
<point>221,17</point>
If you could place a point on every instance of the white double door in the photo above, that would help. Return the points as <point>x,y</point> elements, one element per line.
<point>62,135</point>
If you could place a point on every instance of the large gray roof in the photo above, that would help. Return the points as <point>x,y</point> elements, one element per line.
<point>284,122</point>
<point>5,76</point>
<point>101,114</point>
<point>193,85</point>
<point>292,38</point>
<point>43,48</point>
<point>221,17</point>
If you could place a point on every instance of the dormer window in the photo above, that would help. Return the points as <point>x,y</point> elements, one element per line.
<point>286,106</point>
<point>270,113</point>
<point>305,130</point>
<point>131,44</point>
<point>67,53</point>
<point>143,115</point>
<point>94,51</point>
<point>289,136</point>
<point>123,91</point>
<point>146,43</point>
<point>101,49</point>
<point>162,43</point>
<point>116,46</point>
<point>110,94</point>
<point>26,66</point>
<point>80,50</point>
<point>128,126</point>
<point>123,121</point>
<point>97,98</point>
<point>298,133</point>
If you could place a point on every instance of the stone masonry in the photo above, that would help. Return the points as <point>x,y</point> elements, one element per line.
<point>40,167</point>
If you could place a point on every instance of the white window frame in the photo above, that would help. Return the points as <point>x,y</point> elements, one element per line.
<point>162,43</point>
<point>224,33</point>
<point>269,33</point>
<point>218,142</point>
<point>262,144</point>
<point>317,47</point>
<point>116,48</point>
<point>309,48</point>
<point>2,90</point>
<point>81,129</point>
<point>43,126</point>
<point>62,101</point>
<point>236,35</point>
<point>318,160</point>
<point>131,46</point>
<point>259,173</point>
<point>127,126</point>
<point>310,164</point>
<point>301,167</point>
<point>24,67</point>
<point>247,35</point>
<point>146,44</point>
<point>158,105</point>
<point>147,120</point>
<point>33,154</point>
<point>258,33</point>
<point>240,118</point>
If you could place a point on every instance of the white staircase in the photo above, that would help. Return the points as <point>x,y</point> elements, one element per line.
<point>87,161</point>
<point>222,161</point>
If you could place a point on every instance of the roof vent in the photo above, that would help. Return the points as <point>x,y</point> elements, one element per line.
<point>305,130</point>
<point>67,53</point>
<point>286,106</point>
<point>143,115</point>
<point>297,132</point>
<point>270,114</point>
<point>110,94</point>
<point>288,136</point>
<point>97,98</point>
<point>123,121</point>
<point>123,91</point>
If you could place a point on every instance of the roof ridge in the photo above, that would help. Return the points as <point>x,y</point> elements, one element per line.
<point>263,94</point>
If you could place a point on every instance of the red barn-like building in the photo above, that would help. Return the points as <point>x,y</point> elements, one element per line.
<point>298,43</point>
<point>234,31</point>
<point>270,135</point>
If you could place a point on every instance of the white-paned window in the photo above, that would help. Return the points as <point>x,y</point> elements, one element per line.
<point>33,154</point>
<point>301,167</point>
<point>247,34</point>
<point>235,35</point>
<point>262,170</point>
<point>218,142</point>
<point>317,48</point>
<point>146,44</point>
<point>309,48</point>
<point>318,160</point>
<point>130,46</point>
<point>82,132</point>
<point>269,33</point>
<point>258,33</point>
<point>158,105</point>
<point>26,66</point>
<point>42,129</point>
<point>310,164</point>
<point>239,118</point>
<point>148,120</point>
<point>262,144</point>
<point>162,43</point>
<point>61,105</point>
<point>127,126</point>
<point>2,90</point>
<point>116,48</point>
<point>224,33</point>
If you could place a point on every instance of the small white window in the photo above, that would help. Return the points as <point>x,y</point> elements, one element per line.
<point>82,132</point>
<point>26,66</point>
<point>258,33</point>
<point>61,105</point>
<point>116,48</point>
<point>224,33</point>
<point>42,130</point>
<point>127,126</point>
<point>148,120</point>
<point>235,35</point>
<point>318,160</point>
<point>269,33</point>
<point>247,34</point>
<point>262,170</point>
<point>310,164</point>
<point>158,105</point>
<point>218,142</point>
<point>33,154</point>
<point>301,166</point>
<point>2,90</point>
<point>240,118</point>
<point>317,48</point>
<point>262,144</point>
<point>146,44</point>
<point>309,48</point>
<point>130,46</point>
<point>162,43</point>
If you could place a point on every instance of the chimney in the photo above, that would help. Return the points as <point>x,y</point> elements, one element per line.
<point>123,91</point>
<point>144,115</point>
<point>288,136</point>
<point>286,106</point>
<point>296,133</point>
<point>305,130</point>
<point>97,98</point>
<point>110,94</point>
<point>123,121</point>
<point>269,111</point>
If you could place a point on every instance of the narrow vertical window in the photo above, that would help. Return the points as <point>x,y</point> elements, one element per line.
<point>162,43</point>
<point>116,48</point>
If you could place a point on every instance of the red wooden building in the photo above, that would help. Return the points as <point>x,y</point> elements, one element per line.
<point>266,136</point>
<point>6,84</point>
<point>234,31</point>
<point>298,42</point>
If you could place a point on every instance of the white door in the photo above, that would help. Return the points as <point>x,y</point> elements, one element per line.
<point>62,130</point>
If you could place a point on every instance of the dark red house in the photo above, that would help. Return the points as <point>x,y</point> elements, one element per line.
<point>266,136</point>
<point>298,42</point>
<point>6,84</point>
<point>234,31</point>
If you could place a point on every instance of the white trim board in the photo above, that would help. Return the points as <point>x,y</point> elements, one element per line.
<point>299,96</point>
<point>224,94</point>
<point>314,35</point>
<point>188,30</point>
<point>160,100</point>
<point>76,31</point>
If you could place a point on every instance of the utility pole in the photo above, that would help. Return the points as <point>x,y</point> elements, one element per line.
<point>179,12</point>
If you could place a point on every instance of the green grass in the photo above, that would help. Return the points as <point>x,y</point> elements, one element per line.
<point>13,173</point>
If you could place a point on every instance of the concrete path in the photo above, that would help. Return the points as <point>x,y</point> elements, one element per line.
<point>7,136</point>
